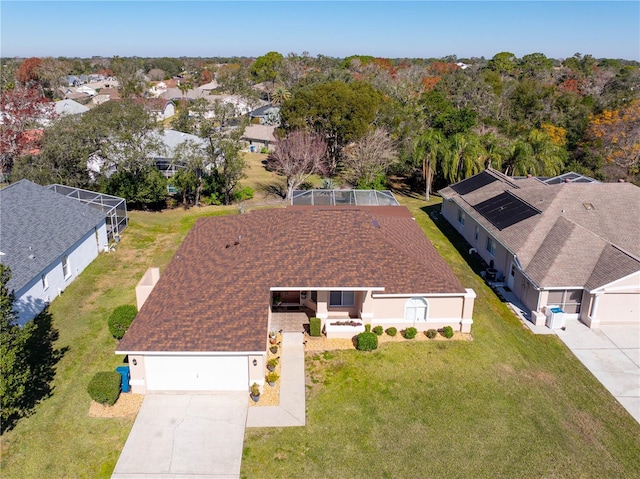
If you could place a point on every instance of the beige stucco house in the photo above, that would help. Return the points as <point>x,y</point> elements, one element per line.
<point>203,323</point>
<point>573,245</point>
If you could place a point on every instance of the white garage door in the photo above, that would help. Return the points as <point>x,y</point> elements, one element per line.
<point>196,373</point>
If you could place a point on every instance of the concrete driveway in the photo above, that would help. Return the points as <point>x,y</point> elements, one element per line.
<point>612,354</point>
<point>195,436</point>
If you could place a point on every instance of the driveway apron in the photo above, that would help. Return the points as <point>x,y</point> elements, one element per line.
<point>195,436</point>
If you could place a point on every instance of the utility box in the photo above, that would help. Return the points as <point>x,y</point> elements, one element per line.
<point>125,375</point>
<point>555,317</point>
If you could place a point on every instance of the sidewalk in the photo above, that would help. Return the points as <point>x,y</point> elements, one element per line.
<point>292,408</point>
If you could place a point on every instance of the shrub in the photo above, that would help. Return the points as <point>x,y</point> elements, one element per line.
<point>378,330</point>
<point>120,319</point>
<point>243,194</point>
<point>272,377</point>
<point>255,389</point>
<point>447,332</point>
<point>367,341</point>
<point>104,387</point>
<point>392,331</point>
<point>367,328</point>
<point>431,333</point>
<point>272,362</point>
<point>315,327</point>
<point>410,333</point>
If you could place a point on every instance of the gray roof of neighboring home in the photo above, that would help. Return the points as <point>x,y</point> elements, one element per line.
<point>37,226</point>
<point>70,107</point>
<point>173,138</point>
<point>577,225</point>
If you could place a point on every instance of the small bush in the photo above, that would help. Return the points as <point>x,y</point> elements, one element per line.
<point>447,332</point>
<point>104,387</point>
<point>367,341</point>
<point>120,319</point>
<point>392,331</point>
<point>431,333</point>
<point>243,194</point>
<point>272,377</point>
<point>410,333</point>
<point>272,362</point>
<point>378,330</point>
<point>315,327</point>
<point>255,390</point>
<point>367,328</point>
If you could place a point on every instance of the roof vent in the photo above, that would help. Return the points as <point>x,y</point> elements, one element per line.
<point>32,256</point>
<point>588,206</point>
<point>375,223</point>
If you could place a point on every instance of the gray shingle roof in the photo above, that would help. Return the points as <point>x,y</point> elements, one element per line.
<point>578,223</point>
<point>37,226</point>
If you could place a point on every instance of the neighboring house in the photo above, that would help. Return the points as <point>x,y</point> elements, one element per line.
<point>160,109</point>
<point>70,107</point>
<point>171,139</point>
<point>78,96</point>
<point>569,244</point>
<point>47,240</point>
<point>86,89</point>
<point>259,136</point>
<point>204,325</point>
<point>266,115</point>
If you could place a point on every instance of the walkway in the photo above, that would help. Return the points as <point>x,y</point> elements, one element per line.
<point>292,408</point>
<point>195,436</point>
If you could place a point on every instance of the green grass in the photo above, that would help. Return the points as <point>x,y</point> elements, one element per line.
<point>60,439</point>
<point>508,404</point>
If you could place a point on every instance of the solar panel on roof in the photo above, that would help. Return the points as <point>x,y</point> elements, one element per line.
<point>473,183</point>
<point>505,210</point>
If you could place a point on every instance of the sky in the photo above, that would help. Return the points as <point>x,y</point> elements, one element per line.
<point>393,29</point>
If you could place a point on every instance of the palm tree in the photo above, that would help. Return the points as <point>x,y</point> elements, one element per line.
<point>463,157</point>
<point>537,155</point>
<point>280,94</point>
<point>428,147</point>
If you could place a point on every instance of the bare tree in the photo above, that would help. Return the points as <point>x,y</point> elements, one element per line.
<point>370,158</point>
<point>299,155</point>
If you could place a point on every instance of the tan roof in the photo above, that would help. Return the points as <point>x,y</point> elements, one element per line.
<point>562,245</point>
<point>215,293</point>
<point>260,133</point>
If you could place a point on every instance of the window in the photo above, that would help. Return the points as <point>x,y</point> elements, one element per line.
<point>341,298</point>
<point>66,271</point>
<point>569,300</point>
<point>491,246</point>
<point>461,217</point>
<point>476,233</point>
<point>314,296</point>
<point>45,281</point>
<point>416,310</point>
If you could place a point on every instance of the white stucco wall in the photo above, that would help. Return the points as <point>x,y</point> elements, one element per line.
<point>31,299</point>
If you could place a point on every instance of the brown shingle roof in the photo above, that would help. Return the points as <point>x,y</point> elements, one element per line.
<point>214,295</point>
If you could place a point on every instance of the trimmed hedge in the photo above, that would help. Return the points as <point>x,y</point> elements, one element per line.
<point>392,331</point>
<point>315,327</point>
<point>367,341</point>
<point>120,319</point>
<point>104,387</point>
<point>410,333</point>
<point>378,330</point>
<point>447,332</point>
<point>431,333</point>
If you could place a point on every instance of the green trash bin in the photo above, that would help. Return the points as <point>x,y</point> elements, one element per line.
<point>125,374</point>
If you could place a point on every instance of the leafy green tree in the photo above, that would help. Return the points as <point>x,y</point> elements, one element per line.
<point>267,67</point>
<point>144,188</point>
<point>537,155</point>
<point>189,180</point>
<point>341,112</point>
<point>462,157</point>
<point>504,63</point>
<point>535,65</point>
<point>15,371</point>
<point>232,164</point>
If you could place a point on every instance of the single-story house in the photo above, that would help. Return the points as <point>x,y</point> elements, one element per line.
<point>47,240</point>
<point>265,115</point>
<point>70,107</point>
<point>574,245</point>
<point>86,89</point>
<point>160,109</point>
<point>203,323</point>
<point>171,140</point>
<point>259,136</point>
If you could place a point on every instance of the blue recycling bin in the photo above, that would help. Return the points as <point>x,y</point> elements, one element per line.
<point>125,374</point>
<point>252,148</point>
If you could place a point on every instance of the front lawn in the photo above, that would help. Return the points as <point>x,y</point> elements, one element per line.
<point>507,404</point>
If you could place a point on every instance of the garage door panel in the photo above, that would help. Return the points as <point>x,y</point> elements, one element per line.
<point>196,373</point>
